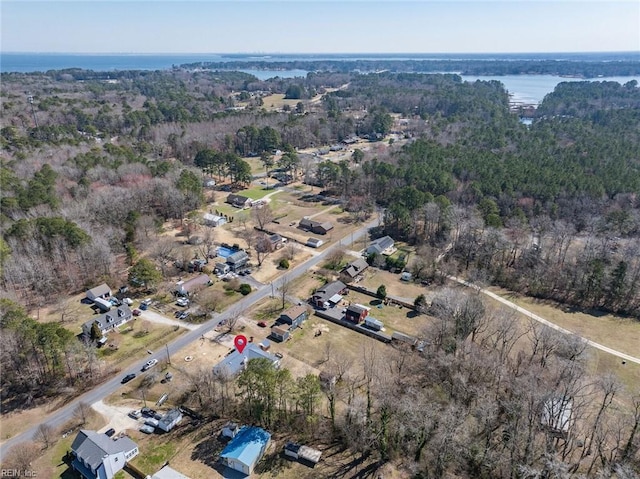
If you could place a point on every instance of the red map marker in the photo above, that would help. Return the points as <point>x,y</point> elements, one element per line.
<point>240,341</point>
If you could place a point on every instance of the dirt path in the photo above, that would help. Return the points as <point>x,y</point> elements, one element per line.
<point>160,319</point>
<point>540,319</point>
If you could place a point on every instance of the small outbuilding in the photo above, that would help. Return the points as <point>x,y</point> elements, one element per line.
<point>245,450</point>
<point>314,242</point>
<point>230,430</point>
<point>102,291</point>
<point>304,454</point>
<point>213,220</point>
<point>170,420</point>
<point>373,324</point>
<point>356,313</point>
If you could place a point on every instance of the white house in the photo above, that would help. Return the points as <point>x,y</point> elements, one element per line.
<point>170,420</point>
<point>384,245</point>
<point>185,288</point>
<point>100,291</point>
<point>213,220</point>
<point>110,320</point>
<point>98,456</point>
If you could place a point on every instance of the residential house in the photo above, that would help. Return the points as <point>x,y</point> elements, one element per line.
<point>168,473</point>
<point>235,362</point>
<point>102,291</point>
<point>244,451</point>
<point>355,268</point>
<point>329,295</point>
<point>280,332</point>
<point>185,288</point>
<point>294,316</point>
<point>238,260</point>
<point>222,268</point>
<point>314,242</point>
<point>239,201</point>
<point>276,241</point>
<point>356,313</point>
<point>98,456</point>
<point>170,420</point>
<point>384,245</point>
<point>316,227</point>
<point>109,320</point>
<point>213,220</point>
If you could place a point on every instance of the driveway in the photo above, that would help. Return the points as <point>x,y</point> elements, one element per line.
<point>161,319</point>
<point>117,415</point>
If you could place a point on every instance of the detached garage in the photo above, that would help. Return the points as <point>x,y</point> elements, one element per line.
<point>245,450</point>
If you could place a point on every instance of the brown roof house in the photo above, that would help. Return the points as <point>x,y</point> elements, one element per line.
<point>288,321</point>
<point>353,269</point>
<point>315,226</point>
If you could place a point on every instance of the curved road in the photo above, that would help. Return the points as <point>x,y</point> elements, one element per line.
<point>540,319</point>
<point>61,416</point>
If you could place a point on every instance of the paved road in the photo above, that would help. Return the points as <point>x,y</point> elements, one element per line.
<point>64,414</point>
<point>540,319</point>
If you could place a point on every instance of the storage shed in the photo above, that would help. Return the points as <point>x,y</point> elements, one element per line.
<point>245,450</point>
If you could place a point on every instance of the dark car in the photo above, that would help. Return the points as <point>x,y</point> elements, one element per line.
<point>262,324</point>
<point>128,378</point>
<point>110,432</point>
<point>136,312</point>
<point>148,412</point>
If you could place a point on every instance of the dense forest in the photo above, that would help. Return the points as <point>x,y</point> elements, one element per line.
<point>486,67</point>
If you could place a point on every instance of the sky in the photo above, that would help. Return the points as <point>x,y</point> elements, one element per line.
<point>318,26</point>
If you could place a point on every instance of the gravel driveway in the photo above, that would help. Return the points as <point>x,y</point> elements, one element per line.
<point>117,415</point>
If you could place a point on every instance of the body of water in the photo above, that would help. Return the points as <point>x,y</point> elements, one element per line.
<point>529,89</point>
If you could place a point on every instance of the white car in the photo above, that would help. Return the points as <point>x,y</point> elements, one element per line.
<point>149,364</point>
<point>127,301</point>
<point>182,302</point>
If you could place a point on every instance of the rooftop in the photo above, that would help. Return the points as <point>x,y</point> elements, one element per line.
<point>247,446</point>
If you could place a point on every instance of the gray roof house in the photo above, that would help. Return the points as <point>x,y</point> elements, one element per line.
<point>239,201</point>
<point>213,220</point>
<point>235,362</point>
<point>354,268</point>
<point>382,245</point>
<point>190,286</point>
<point>170,420</point>
<point>98,456</point>
<point>110,320</point>
<point>100,291</point>
<point>330,293</point>
<point>238,260</point>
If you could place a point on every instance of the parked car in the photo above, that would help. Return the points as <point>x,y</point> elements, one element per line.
<point>149,364</point>
<point>128,301</point>
<point>184,315</point>
<point>147,412</point>
<point>128,378</point>
<point>147,429</point>
<point>136,312</point>
<point>262,324</point>
<point>110,432</point>
<point>182,302</point>
<point>135,414</point>
<point>144,307</point>
<point>279,355</point>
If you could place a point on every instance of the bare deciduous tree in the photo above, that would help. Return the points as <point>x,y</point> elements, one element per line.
<point>81,412</point>
<point>45,434</point>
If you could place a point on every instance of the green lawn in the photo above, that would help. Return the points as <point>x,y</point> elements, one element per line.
<point>257,192</point>
<point>154,456</point>
<point>133,342</point>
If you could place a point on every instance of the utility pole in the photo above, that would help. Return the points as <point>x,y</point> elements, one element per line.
<point>168,356</point>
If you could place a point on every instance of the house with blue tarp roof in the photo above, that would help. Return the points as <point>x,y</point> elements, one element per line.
<point>245,450</point>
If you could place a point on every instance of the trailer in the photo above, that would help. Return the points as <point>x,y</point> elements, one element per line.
<point>304,454</point>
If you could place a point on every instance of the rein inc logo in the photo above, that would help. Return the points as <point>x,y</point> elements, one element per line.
<point>18,473</point>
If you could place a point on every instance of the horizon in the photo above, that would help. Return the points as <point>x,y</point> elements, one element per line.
<point>264,54</point>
